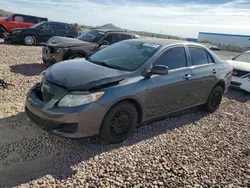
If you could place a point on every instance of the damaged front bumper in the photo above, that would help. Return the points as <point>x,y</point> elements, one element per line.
<point>242,83</point>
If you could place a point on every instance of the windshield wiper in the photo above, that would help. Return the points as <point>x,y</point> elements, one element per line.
<point>107,65</point>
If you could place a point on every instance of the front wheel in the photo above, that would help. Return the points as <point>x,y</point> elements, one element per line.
<point>214,99</point>
<point>29,40</point>
<point>119,123</point>
<point>2,31</point>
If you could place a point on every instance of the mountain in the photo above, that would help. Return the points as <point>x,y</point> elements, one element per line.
<point>4,13</point>
<point>108,26</point>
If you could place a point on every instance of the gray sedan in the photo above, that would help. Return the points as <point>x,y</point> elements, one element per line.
<point>126,84</point>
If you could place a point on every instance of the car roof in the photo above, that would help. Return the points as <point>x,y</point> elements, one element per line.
<point>112,30</point>
<point>28,15</point>
<point>164,42</point>
<point>55,22</point>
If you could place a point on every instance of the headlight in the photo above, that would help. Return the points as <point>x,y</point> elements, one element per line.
<point>72,100</point>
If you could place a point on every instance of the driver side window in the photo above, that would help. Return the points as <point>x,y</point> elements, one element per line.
<point>111,38</point>
<point>47,26</point>
<point>173,58</point>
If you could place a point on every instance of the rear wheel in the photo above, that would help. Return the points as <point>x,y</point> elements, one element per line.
<point>76,56</point>
<point>29,40</point>
<point>214,99</point>
<point>119,123</point>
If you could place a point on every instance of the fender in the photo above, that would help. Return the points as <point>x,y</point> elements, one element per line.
<point>70,52</point>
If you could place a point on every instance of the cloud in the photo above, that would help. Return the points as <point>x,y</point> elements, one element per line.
<point>183,19</point>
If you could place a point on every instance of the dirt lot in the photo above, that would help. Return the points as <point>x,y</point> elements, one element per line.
<point>193,149</point>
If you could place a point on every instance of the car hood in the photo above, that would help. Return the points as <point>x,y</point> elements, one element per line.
<point>66,42</point>
<point>239,65</point>
<point>82,75</point>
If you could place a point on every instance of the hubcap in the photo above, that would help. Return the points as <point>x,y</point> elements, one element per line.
<point>120,123</point>
<point>216,99</point>
<point>29,40</point>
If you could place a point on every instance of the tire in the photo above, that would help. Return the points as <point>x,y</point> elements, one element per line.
<point>119,123</point>
<point>29,40</point>
<point>75,56</point>
<point>214,99</point>
<point>2,31</point>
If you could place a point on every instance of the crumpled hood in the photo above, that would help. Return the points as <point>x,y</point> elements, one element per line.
<point>79,74</point>
<point>239,65</point>
<point>66,42</point>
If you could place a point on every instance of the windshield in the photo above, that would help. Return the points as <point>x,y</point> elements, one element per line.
<point>91,36</point>
<point>245,57</point>
<point>37,25</point>
<point>8,17</point>
<point>126,55</point>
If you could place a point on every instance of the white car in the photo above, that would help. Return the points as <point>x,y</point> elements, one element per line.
<point>241,73</point>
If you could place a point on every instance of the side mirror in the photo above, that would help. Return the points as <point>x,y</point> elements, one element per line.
<point>104,42</point>
<point>157,70</point>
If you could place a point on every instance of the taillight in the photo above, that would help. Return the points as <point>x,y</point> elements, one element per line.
<point>231,69</point>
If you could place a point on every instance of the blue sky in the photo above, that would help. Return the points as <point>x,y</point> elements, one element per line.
<point>183,18</point>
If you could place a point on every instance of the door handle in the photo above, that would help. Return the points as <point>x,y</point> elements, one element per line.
<point>214,71</point>
<point>52,31</point>
<point>187,76</point>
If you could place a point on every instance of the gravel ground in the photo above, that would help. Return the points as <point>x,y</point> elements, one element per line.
<point>192,149</point>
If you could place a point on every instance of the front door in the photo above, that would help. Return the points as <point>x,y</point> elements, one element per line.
<point>170,92</point>
<point>46,31</point>
<point>18,21</point>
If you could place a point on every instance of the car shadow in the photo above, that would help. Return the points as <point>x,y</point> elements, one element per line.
<point>238,95</point>
<point>28,69</point>
<point>39,154</point>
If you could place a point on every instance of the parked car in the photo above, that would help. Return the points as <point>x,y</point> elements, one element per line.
<point>14,21</point>
<point>42,32</point>
<point>241,73</point>
<point>125,84</point>
<point>61,48</point>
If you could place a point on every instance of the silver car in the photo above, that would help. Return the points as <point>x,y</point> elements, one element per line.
<point>241,72</point>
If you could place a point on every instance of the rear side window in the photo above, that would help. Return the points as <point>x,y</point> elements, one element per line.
<point>62,26</point>
<point>29,19</point>
<point>174,58</point>
<point>199,56</point>
<point>38,20</point>
<point>125,37</point>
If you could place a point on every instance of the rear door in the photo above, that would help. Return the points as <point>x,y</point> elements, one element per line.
<point>204,72</point>
<point>63,30</point>
<point>173,91</point>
